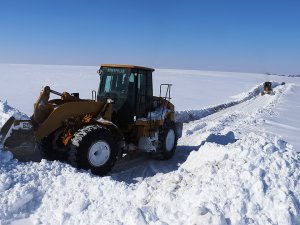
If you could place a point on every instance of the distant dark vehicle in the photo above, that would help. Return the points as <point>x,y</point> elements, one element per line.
<point>267,88</point>
<point>283,83</point>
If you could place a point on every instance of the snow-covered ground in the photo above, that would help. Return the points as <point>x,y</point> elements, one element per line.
<point>20,85</point>
<point>237,162</point>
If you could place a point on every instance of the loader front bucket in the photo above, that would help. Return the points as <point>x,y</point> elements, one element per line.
<point>18,137</point>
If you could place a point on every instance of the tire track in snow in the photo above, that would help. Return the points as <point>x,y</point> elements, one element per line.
<point>225,119</point>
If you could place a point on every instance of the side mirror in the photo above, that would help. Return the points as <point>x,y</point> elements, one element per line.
<point>99,72</point>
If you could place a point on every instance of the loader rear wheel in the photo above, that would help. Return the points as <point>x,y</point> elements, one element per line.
<point>51,148</point>
<point>94,148</point>
<point>167,140</point>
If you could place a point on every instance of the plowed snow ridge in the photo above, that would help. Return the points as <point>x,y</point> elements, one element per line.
<point>190,115</point>
<point>227,170</point>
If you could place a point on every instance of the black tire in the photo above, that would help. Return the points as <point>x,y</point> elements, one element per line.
<point>83,144</point>
<point>51,148</point>
<point>166,150</point>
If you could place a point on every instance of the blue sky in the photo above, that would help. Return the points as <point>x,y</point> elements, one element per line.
<point>246,36</point>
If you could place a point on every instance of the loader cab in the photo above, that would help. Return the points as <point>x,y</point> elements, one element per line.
<point>131,89</point>
<point>268,86</point>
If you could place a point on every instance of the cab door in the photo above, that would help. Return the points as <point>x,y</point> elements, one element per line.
<point>143,80</point>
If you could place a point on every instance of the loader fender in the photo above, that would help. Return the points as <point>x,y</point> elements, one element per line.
<point>64,112</point>
<point>115,131</point>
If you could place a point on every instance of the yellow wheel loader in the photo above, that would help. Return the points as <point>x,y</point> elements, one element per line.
<point>267,88</point>
<point>122,117</point>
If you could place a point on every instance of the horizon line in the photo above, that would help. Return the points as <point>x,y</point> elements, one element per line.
<point>183,69</point>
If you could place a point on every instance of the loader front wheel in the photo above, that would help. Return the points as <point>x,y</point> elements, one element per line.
<point>93,148</point>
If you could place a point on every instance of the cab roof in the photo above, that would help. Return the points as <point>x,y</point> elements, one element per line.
<point>127,66</point>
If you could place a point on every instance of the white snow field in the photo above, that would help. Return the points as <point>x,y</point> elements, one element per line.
<point>237,162</point>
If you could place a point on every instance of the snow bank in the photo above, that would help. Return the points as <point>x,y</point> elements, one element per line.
<point>253,181</point>
<point>5,156</point>
<point>6,112</point>
<point>191,115</point>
